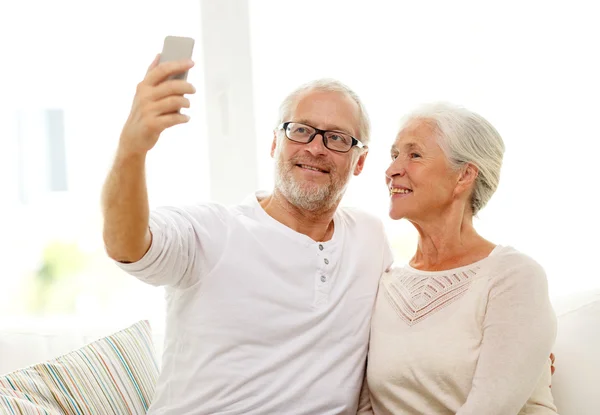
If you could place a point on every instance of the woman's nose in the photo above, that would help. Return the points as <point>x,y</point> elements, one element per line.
<point>395,169</point>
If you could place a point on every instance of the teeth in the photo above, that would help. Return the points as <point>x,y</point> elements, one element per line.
<point>404,191</point>
<point>310,168</point>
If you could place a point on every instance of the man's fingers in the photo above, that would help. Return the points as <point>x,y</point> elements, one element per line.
<point>164,70</point>
<point>172,87</point>
<point>169,120</point>
<point>154,63</point>
<point>171,104</point>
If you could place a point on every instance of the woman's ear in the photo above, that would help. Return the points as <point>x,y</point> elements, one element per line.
<point>467,177</point>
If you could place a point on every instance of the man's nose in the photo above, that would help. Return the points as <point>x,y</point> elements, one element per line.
<point>317,145</point>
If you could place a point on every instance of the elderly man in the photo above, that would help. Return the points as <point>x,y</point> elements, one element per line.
<point>269,301</point>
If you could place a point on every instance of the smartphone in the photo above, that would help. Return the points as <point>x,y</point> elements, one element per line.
<point>177,48</point>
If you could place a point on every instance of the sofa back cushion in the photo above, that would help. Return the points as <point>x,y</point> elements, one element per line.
<point>575,384</point>
<point>114,375</point>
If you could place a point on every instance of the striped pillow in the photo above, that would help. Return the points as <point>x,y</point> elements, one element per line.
<point>113,375</point>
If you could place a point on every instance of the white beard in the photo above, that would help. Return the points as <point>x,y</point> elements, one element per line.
<point>307,195</point>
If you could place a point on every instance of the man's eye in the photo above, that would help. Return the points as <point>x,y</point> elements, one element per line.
<point>414,155</point>
<point>394,156</point>
<point>339,138</point>
<point>300,130</point>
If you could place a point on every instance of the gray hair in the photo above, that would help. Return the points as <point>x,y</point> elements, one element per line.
<point>467,137</point>
<point>328,85</point>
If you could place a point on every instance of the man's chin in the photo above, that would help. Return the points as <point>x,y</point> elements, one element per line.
<point>311,178</point>
<point>311,198</point>
<point>311,188</point>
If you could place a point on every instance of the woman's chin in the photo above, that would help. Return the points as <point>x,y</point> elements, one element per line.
<point>396,214</point>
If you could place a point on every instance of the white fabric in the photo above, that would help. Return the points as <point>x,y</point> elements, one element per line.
<point>260,320</point>
<point>26,341</point>
<point>576,382</point>
<point>469,341</point>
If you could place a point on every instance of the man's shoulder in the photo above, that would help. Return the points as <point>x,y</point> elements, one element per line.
<point>357,213</point>
<point>359,218</point>
<point>199,211</point>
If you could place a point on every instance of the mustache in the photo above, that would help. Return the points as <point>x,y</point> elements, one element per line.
<point>320,164</point>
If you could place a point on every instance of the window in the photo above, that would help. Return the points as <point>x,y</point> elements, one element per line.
<point>67,85</point>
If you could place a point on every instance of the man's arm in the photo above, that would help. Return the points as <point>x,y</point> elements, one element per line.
<point>124,197</point>
<point>125,208</point>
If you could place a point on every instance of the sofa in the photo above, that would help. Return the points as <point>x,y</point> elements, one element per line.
<point>26,341</point>
<point>575,385</point>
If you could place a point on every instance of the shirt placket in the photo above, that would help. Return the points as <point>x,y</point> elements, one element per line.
<point>323,275</point>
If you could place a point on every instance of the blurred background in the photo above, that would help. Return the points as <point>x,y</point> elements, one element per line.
<point>69,71</point>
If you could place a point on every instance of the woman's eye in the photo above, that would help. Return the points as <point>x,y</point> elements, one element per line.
<point>414,155</point>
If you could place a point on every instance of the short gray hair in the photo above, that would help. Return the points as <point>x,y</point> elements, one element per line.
<point>466,137</point>
<point>328,85</point>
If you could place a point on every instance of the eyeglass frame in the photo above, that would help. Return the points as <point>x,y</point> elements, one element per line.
<point>355,141</point>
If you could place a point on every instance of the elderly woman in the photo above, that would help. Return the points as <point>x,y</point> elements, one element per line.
<point>467,326</point>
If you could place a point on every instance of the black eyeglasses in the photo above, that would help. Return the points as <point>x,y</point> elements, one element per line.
<point>333,140</point>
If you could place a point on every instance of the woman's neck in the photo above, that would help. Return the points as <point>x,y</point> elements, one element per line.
<point>448,243</point>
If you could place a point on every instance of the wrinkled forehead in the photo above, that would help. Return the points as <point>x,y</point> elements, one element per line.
<point>417,132</point>
<point>327,110</point>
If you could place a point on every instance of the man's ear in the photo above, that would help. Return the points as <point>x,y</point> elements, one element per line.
<point>274,144</point>
<point>360,164</point>
<point>467,177</point>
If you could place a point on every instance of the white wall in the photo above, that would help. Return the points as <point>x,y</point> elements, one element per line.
<point>529,67</point>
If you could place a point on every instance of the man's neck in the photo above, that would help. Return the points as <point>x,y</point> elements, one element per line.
<point>317,225</point>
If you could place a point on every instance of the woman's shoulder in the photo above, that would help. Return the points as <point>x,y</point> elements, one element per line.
<point>512,260</point>
<point>510,266</point>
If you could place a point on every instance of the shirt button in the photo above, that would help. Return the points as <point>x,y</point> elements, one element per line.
<point>326,261</point>
<point>323,278</point>
<point>320,247</point>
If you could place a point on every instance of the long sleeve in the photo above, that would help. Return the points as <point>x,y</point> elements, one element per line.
<point>186,244</point>
<point>519,330</point>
